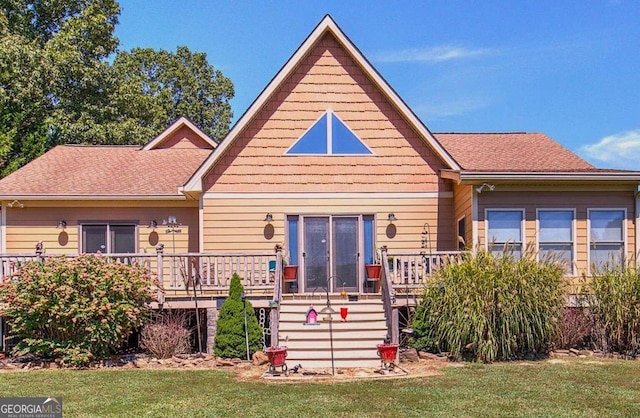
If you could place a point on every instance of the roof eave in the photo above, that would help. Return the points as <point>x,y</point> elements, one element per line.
<point>41,197</point>
<point>479,176</point>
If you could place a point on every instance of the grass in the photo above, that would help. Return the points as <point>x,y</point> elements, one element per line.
<point>575,388</point>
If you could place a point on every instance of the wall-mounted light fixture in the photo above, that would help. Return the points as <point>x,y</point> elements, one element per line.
<point>268,218</point>
<point>391,218</point>
<point>153,224</point>
<point>490,187</point>
<point>15,203</point>
<point>62,225</point>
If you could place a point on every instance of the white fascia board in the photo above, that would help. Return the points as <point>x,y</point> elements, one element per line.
<point>93,197</point>
<point>552,176</point>
<point>326,25</point>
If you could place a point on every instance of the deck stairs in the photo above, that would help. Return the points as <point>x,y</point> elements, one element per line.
<point>354,340</point>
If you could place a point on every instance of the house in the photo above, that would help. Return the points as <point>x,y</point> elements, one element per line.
<point>329,163</point>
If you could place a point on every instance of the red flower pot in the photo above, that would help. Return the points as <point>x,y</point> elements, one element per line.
<point>373,271</point>
<point>290,273</point>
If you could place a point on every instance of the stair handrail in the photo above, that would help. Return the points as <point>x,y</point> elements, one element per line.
<point>388,299</point>
<point>274,315</point>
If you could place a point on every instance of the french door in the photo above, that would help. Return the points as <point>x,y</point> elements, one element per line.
<point>331,253</point>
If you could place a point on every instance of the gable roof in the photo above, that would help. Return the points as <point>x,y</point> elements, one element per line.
<point>81,171</point>
<point>175,126</point>
<point>327,25</point>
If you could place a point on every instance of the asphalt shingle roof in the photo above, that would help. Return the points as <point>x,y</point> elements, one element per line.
<point>105,170</point>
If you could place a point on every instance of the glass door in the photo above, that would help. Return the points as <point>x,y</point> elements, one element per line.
<point>345,254</point>
<point>316,253</point>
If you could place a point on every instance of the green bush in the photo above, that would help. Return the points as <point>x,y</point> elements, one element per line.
<point>614,299</point>
<point>76,310</point>
<point>230,337</point>
<point>490,308</point>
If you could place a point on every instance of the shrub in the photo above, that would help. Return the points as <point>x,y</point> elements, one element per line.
<point>491,308</point>
<point>76,310</point>
<point>230,336</point>
<point>167,336</point>
<point>574,329</point>
<point>614,298</point>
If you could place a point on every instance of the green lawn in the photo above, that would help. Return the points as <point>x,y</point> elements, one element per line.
<point>577,388</point>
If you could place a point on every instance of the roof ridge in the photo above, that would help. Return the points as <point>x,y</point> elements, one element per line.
<point>489,133</point>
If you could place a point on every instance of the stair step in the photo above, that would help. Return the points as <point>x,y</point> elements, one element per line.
<point>338,364</point>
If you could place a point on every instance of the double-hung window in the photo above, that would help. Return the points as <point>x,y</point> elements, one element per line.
<point>505,231</point>
<point>606,237</point>
<point>556,237</point>
<point>108,238</point>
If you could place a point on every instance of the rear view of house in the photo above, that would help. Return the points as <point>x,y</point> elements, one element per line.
<point>330,165</point>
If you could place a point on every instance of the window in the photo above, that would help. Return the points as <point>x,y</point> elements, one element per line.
<point>504,231</point>
<point>109,238</point>
<point>292,235</point>
<point>329,136</point>
<point>555,236</point>
<point>462,234</point>
<point>606,236</point>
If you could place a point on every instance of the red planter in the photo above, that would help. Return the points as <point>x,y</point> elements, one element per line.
<point>373,271</point>
<point>276,355</point>
<point>387,352</point>
<point>290,273</point>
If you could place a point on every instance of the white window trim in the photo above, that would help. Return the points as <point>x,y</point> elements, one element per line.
<point>523,225</point>
<point>574,231</point>
<point>329,138</point>
<point>135,224</point>
<point>624,232</point>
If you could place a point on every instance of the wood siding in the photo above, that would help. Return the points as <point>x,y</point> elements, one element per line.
<point>327,79</point>
<point>238,224</point>
<point>581,201</point>
<point>184,138</point>
<point>26,226</point>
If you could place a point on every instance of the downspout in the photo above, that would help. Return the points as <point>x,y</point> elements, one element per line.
<point>636,249</point>
<point>474,220</point>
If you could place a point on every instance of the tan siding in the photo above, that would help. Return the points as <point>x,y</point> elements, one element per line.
<point>238,224</point>
<point>580,201</point>
<point>25,227</point>
<point>327,79</point>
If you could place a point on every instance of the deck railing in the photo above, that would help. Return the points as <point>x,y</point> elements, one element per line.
<point>411,270</point>
<point>181,271</point>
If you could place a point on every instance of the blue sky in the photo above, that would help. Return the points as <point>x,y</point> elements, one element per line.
<point>568,69</point>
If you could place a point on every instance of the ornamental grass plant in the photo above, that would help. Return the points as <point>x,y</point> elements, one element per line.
<point>613,296</point>
<point>489,307</point>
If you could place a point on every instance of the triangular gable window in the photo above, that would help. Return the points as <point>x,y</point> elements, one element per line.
<point>329,136</point>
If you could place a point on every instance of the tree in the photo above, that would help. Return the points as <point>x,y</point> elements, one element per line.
<point>230,338</point>
<point>57,85</point>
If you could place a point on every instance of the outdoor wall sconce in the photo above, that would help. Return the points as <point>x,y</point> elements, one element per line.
<point>392,218</point>
<point>15,203</point>
<point>62,225</point>
<point>269,218</point>
<point>490,187</point>
<point>153,224</point>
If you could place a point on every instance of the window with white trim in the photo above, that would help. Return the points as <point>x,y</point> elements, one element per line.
<point>108,238</point>
<point>555,236</point>
<point>606,237</point>
<point>505,231</point>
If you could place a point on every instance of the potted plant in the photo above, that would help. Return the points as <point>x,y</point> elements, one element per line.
<point>373,270</point>
<point>289,271</point>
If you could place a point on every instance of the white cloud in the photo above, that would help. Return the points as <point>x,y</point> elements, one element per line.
<point>621,150</point>
<point>434,54</point>
<point>442,109</point>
